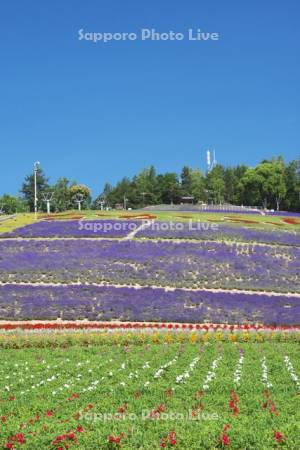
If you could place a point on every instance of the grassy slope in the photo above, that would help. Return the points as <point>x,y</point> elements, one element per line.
<point>263,222</point>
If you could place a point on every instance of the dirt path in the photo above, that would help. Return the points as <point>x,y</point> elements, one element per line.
<point>165,288</point>
<point>132,234</point>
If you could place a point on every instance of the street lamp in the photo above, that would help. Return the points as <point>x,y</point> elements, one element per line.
<point>125,200</point>
<point>36,168</point>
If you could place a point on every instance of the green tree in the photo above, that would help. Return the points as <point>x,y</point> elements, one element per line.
<point>197,185</point>
<point>265,184</point>
<point>169,188</point>
<point>80,191</point>
<point>145,185</point>
<point>292,182</point>
<point>186,181</point>
<point>215,185</point>
<point>27,189</point>
<point>11,204</point>
<point>61,195</point>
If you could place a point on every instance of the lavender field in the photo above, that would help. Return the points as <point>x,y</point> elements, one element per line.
<point>212,265</point>
<point>231,275</point>
<point>146,304</point>
<point>189,230</point>
<point>75,228</point>
<point>119,228</point>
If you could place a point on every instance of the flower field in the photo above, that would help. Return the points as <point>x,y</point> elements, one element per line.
<point>184,230</point>
<point>116,334</point>
<point>73,302</point>
<point>75,229</point>
<point>177,264</point>
<point>134,394</point>
<point>131,270</point>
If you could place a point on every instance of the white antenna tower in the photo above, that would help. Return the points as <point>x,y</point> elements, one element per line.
<point>214,162</point>
<point>78,199</point>
<point>210,159</point>
<point>47,197</point>
<point>1,209</point>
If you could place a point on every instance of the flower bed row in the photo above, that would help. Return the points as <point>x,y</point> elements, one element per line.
<point>127,304</point>
<point>176,264</point>
<point>141,326</point>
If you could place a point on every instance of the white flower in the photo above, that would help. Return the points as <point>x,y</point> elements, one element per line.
<point>238,371</point>
<point>211,374</point>
<point>265,380</point>
<point>181,378</point>
<point>291,370</point>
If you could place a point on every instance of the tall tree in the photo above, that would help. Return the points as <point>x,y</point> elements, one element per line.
<point>197,185</point>
<point>61,195</point>
<point>292,181</point>
<point>186,181</point>
<point>215,185</point>
<point>169,188</point>
<point>27,189</point>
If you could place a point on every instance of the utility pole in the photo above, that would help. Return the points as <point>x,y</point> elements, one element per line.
<point>47,197</point>
<point>125,202</point>
<point>36,168</point>
<point>102,203</point>
<point>79,200</point>
<point>144,195</point>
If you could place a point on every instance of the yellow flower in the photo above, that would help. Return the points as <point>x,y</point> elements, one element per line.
<point>168,338</point>
<point>245,337</point>
<point>155,338</point>
<point>193,338</point>
<point>180,337</point>
<point>219,336</point>
<point>205,337</point>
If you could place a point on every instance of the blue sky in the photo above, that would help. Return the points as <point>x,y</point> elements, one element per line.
<point>95,112</point>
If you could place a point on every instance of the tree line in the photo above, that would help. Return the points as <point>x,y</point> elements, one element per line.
<point>272,184</point>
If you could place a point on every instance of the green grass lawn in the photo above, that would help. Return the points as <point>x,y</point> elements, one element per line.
<point>97,391</point>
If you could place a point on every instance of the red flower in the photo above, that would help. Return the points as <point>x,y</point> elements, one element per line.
<point>49,413</point>
<point>278,437</point>
<point>79,429</point>
<point>161,408</point>
<point>122,408</point>
<point>235,411</point>
<point>3,419</point>
<point>115,439</point>
<point>225,439</point>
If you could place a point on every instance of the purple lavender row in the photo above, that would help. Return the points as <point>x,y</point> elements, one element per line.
<point>284,213</point>
<point>75,228</point>
<point>184,264</point>
<point>159,229</point>
<point>146,304</point>
<point>189,230</point>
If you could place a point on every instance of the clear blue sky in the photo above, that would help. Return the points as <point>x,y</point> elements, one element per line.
<point>96,112</point>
